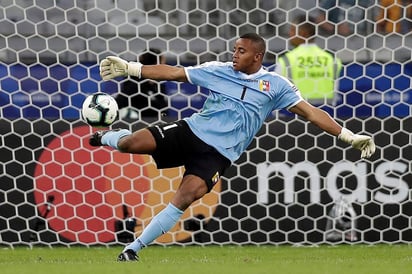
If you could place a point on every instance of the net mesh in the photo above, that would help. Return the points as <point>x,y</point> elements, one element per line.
<point>295,184</point>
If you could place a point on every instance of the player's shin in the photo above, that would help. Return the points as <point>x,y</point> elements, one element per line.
<point>159,225</point>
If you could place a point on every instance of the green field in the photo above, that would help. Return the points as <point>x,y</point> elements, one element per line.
<point>211,259</point>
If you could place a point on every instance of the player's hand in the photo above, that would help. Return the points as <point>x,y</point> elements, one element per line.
<point>365,144</point>
<point>112,67</point>
<point>362,142</point>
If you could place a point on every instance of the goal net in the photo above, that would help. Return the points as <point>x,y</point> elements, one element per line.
<point>294,185</point>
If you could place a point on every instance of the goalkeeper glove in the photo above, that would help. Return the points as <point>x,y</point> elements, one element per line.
<point>113,66</point>
<point>362,142</point>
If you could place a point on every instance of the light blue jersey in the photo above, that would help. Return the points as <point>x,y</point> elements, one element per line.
<point>238,104</point>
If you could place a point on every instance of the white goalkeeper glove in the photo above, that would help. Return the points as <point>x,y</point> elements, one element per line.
<point>113,66</point>
<point>362,142</point>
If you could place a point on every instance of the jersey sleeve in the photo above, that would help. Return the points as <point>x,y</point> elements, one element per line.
<point>203,74</point>
<point>287,94</point>
<point>293,97</point>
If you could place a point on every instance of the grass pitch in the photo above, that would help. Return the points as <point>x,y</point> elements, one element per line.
<point>211,259</point>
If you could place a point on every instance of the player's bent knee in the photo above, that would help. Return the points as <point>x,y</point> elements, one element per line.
<point>190,190</point>
<point>195,189</point>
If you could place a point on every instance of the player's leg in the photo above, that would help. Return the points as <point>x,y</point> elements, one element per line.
<point>139,142</point>
<point>191,189</point>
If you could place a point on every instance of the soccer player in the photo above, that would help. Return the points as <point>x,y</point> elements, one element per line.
<point>242,95</point>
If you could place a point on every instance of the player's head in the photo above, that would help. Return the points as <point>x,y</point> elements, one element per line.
<point>248,53</point>
<point>302,30</point>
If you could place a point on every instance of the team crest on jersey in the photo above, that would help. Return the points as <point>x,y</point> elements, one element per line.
<point>264,85</point>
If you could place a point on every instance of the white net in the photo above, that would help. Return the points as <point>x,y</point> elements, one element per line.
<point>295,184</point>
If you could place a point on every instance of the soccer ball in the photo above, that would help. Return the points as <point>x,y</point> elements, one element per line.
<point>100,109</point>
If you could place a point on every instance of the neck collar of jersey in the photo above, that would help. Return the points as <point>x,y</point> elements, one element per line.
<point>253,75</point>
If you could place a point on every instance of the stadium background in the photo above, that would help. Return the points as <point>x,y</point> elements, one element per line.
<point>281,190</point>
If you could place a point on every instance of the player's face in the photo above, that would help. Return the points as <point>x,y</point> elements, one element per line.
<point>245,57</point>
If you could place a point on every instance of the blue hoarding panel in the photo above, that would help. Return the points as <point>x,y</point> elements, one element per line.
<point>57,91</point>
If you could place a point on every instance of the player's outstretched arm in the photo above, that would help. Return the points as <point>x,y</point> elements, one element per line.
<point>362,142</point>
<point>323,120</point>
<point>112,67</point>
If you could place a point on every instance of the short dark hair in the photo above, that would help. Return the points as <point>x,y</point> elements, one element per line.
<point>257,39</point>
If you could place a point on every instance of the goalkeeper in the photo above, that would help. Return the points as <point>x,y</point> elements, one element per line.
<point>242,95</point>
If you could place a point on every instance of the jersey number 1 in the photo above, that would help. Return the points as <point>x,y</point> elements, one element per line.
<point>243,93</point>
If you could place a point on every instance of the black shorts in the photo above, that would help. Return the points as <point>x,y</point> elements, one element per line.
<point>178,146</point>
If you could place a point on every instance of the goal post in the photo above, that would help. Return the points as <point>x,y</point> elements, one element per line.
<point>294,184</point>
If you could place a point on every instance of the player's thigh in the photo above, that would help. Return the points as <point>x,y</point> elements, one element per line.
<point>141,142</point>
<point>171,145</point>
<point>207,163</point>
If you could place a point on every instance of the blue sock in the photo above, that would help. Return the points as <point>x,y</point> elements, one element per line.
<point>160,224</point>
<point>111,138</point>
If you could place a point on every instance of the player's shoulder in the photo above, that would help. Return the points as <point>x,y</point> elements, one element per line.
<point>276,79</point>
<point>217,64</point>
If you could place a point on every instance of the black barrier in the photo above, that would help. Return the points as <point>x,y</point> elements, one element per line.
<point>281,191</point>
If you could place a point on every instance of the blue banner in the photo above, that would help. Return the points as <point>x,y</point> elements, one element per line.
<point>57,91</point>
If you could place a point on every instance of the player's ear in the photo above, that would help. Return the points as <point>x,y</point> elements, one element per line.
<point>258,56</point>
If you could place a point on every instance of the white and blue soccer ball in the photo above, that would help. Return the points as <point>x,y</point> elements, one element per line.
<point>100,110</point>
